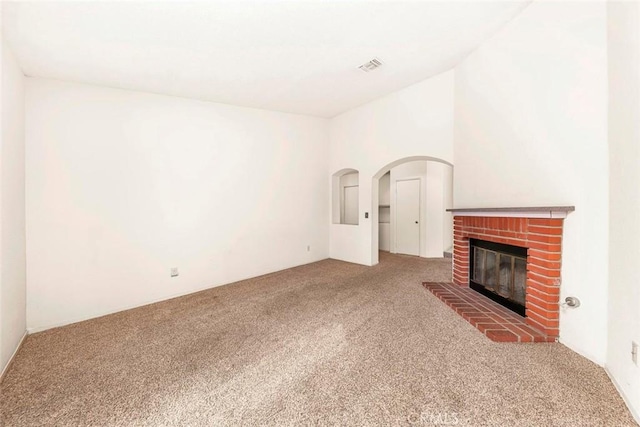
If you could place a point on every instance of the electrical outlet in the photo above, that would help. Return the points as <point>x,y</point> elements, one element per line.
<point>308,248</point>
<point>174,272</point>
<point>634,352</point>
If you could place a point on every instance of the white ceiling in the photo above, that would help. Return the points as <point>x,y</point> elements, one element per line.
<point>292,56</point>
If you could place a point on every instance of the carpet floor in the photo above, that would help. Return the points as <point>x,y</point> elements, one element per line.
<point>323,344</point>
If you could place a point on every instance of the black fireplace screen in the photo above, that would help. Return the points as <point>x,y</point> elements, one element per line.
<point>499,271</point>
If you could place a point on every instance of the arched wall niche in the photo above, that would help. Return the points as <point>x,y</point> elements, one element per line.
<point>345,197</point>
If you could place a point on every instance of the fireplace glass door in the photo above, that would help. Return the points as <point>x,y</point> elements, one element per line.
<point>500,272</point>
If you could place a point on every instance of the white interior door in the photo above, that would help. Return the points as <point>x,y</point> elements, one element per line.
<point>351,205</point>
<point>408,217</point>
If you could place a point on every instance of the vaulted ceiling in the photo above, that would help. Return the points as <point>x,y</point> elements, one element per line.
<point>293,56</point>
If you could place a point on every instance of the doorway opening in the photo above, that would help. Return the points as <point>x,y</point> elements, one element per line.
<point>410,197</point>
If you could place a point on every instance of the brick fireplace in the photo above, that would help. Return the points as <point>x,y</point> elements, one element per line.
<point>539,230</point>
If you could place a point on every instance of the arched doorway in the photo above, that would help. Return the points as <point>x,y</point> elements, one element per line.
<point>375,196</point>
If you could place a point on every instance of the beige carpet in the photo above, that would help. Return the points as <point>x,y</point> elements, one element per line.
<point>323,344</point>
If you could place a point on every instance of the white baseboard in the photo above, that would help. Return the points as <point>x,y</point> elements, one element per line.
<point>635,414</point>
<point>8,365</point>
<point>58,324</point>
<point>598,360</point>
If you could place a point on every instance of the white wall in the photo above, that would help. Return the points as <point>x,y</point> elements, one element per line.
<point>435,215</point>
<point>122,186</point>
<point>624,197</point>
<point>415,121</point>
<point>531,120</point>
<point>384,213</point>
<point>12,215</point>
<point>448,204</point>
<point>384,194</point>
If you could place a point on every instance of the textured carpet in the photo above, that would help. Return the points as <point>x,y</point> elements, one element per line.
<point>323,344</point>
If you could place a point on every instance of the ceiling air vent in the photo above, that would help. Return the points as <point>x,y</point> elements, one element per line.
<point>371,65</point>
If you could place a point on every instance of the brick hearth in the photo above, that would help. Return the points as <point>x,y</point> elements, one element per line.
<point>543,240</point>
<point>496,322</point>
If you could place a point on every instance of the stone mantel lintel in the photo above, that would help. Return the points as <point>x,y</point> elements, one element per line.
<point>516,212</point>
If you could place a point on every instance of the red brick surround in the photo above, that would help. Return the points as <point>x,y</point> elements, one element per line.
<point>542,238</point>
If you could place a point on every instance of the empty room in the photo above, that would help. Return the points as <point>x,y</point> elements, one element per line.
<point>342,212</point>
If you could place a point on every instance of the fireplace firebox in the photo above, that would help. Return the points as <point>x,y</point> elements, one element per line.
<point>539,230</point>
<point>499,271</point>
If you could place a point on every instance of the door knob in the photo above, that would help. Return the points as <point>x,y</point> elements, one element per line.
<point>416,222</point>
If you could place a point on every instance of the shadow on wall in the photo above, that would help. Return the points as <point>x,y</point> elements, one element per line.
<point>409,201</point>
